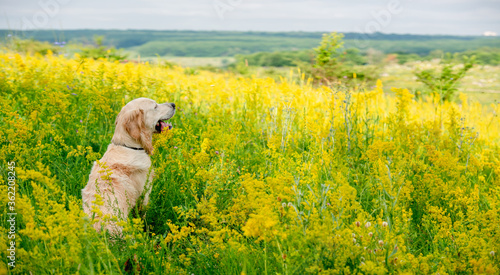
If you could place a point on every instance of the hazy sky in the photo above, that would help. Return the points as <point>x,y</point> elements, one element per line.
<point>462,17</point>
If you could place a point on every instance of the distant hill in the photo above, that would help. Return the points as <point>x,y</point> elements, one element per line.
<point>229,43</point>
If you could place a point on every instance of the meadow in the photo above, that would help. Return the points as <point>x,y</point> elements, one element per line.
<point>258,176</point>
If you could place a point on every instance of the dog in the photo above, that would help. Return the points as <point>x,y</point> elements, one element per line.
<point>123,174</point>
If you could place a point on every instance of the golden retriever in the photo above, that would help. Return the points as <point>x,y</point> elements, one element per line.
<point>123,174</point>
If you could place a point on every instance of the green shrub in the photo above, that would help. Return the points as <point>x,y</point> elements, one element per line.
<point>445,83</point>
<point>333,63</point>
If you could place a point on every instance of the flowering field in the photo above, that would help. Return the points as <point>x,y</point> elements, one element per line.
<point>256,177</point>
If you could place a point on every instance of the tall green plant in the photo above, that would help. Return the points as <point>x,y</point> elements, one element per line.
<point>327,52</point>
<point>445,83</point>
<point>332,62</point>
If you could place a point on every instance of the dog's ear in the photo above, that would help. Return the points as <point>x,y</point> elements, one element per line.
<point>136,128</point>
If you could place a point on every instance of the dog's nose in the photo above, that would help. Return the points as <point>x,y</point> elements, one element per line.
<point>173,105</point>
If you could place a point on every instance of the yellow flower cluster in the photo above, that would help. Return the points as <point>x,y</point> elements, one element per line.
<point>257,176</point>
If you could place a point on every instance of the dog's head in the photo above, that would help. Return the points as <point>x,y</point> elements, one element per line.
<point>139,119</point>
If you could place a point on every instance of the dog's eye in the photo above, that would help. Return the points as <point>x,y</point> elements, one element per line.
<point>156,106</point>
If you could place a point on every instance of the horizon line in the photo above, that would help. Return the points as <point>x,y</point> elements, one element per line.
<point>245,31</point>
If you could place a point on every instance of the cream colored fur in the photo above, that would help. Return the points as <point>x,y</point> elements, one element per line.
<point>123,174</point>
